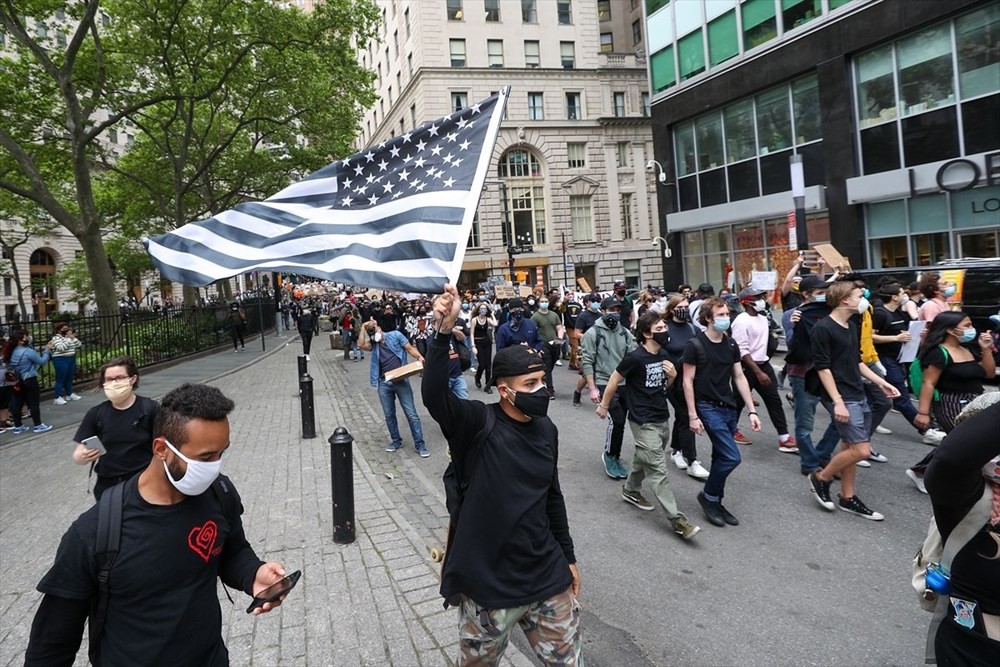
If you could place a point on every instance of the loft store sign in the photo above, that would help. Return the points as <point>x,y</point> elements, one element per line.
<point>963,174</point>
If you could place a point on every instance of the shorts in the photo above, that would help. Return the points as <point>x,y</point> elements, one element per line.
<point>856,429</point>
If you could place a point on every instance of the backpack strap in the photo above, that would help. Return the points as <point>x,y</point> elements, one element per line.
<point>699,348</point>
<point>230,509</point>
<point>962,534</point>
<point>109,533</point>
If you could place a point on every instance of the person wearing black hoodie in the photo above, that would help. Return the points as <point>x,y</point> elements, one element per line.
<point>798,362</point>
<point>509,557</point>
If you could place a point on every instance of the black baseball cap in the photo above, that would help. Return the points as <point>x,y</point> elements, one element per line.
<point>594,296</point>
<point>812,282</point>
<point>515,303</point>
<point>706,288</point>
<point>619,283</point>
<point>516,360</point>
<point>611,302</point>
<point>748,292</point>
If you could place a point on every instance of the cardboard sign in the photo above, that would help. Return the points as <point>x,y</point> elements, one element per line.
<point>765,280</point>
<point>584,285</point>
<point>957,278</point>
<point>525,291</point>
<point>404,371</point>
<point>504,292</point>
<point>831,256</point>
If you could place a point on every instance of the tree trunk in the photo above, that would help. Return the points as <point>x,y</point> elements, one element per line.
<point>191,295</point>
<point>99,267</point>
<point>16,275</point>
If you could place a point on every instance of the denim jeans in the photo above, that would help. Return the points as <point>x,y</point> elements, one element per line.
<point>878,402</point>
<point>811,456</point>
<point>459,387</point>
<point>720,424</point>
<point>65,370</point>
<point>895,376</point>
<point>388,392</point>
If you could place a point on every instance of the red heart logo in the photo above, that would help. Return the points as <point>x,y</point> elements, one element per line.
<point>201,539</point>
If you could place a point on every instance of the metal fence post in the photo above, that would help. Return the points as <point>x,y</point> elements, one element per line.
<point>306,400</point>
<point>342,480</point>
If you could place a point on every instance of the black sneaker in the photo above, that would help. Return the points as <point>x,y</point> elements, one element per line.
<point>479,383</point>
<point>711,510</point>
<point>821,492</point>
<point>576,399</point>
<point>855,506</point>
<point>727,516</point>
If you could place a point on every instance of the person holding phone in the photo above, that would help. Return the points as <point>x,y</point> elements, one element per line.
<point>21,357</point>
<point>64,347</point>
<point>181,532</point>
<point>123,424</point>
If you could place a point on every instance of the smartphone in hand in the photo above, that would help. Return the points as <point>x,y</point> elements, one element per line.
<point>275,591</point>
<point>93,442</point>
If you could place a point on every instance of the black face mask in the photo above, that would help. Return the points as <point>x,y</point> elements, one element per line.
<point>612,320</point>
<point>682,314</point>
<point>533,404</point>
<point>662,337</point>
<point>516,316</point>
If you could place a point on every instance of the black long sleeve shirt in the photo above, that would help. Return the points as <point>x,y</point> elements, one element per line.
<point>511,545</point>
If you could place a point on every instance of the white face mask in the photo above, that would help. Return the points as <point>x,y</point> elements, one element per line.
<point>378,337</point>
<point>198,477</point>
<point>760,305</point>
<point>118,391</point>
<point>905,299</point>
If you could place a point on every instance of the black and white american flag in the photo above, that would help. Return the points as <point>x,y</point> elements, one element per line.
<point>394,216</point>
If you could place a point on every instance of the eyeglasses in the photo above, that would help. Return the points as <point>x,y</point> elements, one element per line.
<point>117,379</point>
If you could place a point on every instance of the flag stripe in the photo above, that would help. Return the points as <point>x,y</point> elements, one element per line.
<point>270,214</point>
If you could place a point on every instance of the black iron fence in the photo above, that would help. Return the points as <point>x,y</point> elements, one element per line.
<point>148,337</point>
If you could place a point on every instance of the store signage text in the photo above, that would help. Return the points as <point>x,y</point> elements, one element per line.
<point>972,174</point>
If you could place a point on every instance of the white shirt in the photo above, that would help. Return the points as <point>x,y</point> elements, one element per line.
<point>751,333</point>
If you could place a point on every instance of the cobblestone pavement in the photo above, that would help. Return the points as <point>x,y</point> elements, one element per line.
<point>373,602</point>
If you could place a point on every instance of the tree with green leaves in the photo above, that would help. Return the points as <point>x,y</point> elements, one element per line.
<point>20,222</point>
<point>226,101</point>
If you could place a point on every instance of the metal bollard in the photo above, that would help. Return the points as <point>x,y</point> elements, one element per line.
<point>342,481</point>
<point>306,401</point>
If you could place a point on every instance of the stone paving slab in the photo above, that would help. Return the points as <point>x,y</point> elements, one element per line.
<point>373,602</point>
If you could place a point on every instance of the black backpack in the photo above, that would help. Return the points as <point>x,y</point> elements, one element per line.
<point>455,482</point>
<point>109,533</point>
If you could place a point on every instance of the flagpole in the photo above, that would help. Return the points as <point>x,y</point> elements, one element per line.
<point>260,314</point>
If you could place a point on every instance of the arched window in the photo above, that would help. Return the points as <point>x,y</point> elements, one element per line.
<point>522,171</point>
<point>42,267</point>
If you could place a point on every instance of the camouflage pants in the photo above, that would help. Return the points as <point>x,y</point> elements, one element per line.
<point>551,626</point>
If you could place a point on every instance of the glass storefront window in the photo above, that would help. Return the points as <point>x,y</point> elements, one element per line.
<point>691,53</point>
<point>876,91</point>
<point>889,253</point>
<point>759,22</point>
<point>978,207</point>
<point>978,245</point>
<point>716,269</point>
<point>880,148</point>
<point>980,125</point>
<point>740,142</point>
<point>717,240</point>
<point>930,137</point>
<point>978,39</point>
<point>709,132</point>
<point>748,236</point>
<point>886,218</point>
<point>805,102</point>
<point>694,268</point>
<point>693,243</point>
<point>928,213</point>
<point>774,122</point>
<point>723,42</point>
<point>662,69</point>
<point>930,248</point>
<point>926,78</point>
<point>684,142</point>
<point>798,12</point>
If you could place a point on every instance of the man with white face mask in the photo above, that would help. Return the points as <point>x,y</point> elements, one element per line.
<point>123,424</point>
<point>177,538</point>
<point>751,331</point>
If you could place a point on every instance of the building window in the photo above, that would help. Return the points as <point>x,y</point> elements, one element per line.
<point>645,104</point>
<point>531,53</point>
<point>457,47</point>
<point>536,108</point>
<point>529,13</point>
<point>618,102</point>
<point>633,274</point>
<point>798,12</point>
<point>409,64</point>
<point>520,164</point>
<point>567,52</point>
<point>759,22</point>
<point>523,173</point>
<point>7,287</point>
<point>664,74</point>
<point>455,10</point>
<point>622,154</point>
<point>494,49</point>
<point>113,136</point>
<point>395,41</point>
<point>636,32</point>
<point>413,115</point>
<point>924,62</point>
<point>579,213</point>
<point>492,11</point>
<point>399,81</point>
<point>774,122</point>
<point>576,154</point>
<point>603,10</point>
<point>607,42</point>
<point>723,42</point>
<point>564,9</point>
<point>573,109</point>
<point>459,101</point>
<point>691,54</point>
<point>406,21</point>
<point>976,35</point>
<point>475,240</point>
<point>625,207</point>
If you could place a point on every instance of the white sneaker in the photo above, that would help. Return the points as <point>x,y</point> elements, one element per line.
<point>558,362</point>
<point>917,480</point>
<point>864,464</point>
<point>60,401</point>
<point>74,397</point>
<point>883,430</point>
<point>679,461</point>
<point>697,471</point>
<point>307,358</point>
<point>932,436</point>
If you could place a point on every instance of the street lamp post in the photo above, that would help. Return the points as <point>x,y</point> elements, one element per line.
<point>799,199</point>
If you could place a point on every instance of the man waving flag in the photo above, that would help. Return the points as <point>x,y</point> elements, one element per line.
<point>395,216</point>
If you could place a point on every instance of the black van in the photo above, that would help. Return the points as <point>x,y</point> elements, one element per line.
<point>980,292</point>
